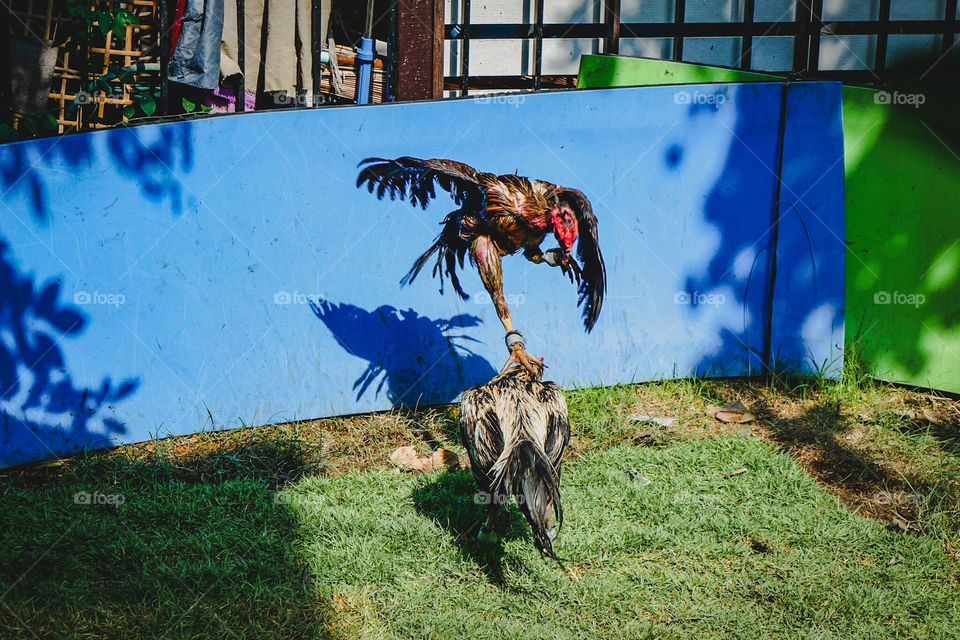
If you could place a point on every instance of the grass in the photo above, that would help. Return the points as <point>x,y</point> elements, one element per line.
<point>845,525</point>
<point>693,553</point>
<point>173,561</point>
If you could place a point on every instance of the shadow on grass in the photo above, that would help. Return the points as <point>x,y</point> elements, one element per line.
<point>946,434</point>
<point>828,445</point>
<point>818,436</point>
<point>273,455</point>
<point>197,548</point>
<point>449,500</point>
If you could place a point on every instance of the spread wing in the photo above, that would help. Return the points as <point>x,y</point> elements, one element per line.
<point>414,179</point>
<point>593,281</point>
<point>480,431</point>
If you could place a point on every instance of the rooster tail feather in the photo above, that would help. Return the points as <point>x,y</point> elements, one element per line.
<point>451,257</point>
<point>536,487</point>
<point>449,248</point>
<point>437,246</point>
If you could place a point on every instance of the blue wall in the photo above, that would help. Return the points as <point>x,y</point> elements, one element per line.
<point>155,276</point>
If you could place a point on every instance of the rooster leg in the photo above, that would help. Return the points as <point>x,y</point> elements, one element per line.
<point>550,526</point>
<point>488,532</point>
<point>487,257</point>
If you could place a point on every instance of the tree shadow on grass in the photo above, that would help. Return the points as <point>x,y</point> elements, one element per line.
<point>945,433</point>
<point>449,500</point>
<point>824,440</point>
<point>199,546</point>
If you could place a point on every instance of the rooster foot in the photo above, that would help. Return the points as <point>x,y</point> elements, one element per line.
<point>487,536</point>
<point>519,356</point>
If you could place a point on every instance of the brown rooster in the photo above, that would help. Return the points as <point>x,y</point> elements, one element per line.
<point>498,216</point>
<point>515,429</point>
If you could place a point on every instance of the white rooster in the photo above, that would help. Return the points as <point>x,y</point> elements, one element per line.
<point>515,429</point>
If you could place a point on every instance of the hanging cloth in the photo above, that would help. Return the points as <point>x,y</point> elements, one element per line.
<point>196,56</point>
<point>277,35</point>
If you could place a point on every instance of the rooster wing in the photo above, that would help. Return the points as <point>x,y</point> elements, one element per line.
<point>481,432</point>
<point>414,179</point>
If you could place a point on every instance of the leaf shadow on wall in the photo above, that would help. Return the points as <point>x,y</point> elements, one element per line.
<point>149,157</point>
<point>43,411</point>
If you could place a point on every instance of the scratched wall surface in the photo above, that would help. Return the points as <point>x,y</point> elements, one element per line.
<point>156,277</point>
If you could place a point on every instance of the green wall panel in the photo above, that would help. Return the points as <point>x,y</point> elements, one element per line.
<point>902,231</point>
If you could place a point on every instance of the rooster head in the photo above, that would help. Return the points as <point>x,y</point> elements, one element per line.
<point>564,224</point>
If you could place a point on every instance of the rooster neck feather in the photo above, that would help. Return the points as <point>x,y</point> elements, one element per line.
<point>516,196</point>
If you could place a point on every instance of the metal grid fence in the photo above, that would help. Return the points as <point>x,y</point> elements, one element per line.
<point>806,27</point>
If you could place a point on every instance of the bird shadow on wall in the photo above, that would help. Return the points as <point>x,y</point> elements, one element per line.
<point>43,412</point>
<point>418,360</point>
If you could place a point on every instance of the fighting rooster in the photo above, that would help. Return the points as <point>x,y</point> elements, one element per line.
<point>498,216</point>
<point>515,429</point>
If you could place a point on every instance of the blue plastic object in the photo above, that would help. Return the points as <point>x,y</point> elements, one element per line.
<point>365,61</point>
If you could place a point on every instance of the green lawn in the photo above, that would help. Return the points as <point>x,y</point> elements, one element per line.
<point>372,553</point>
